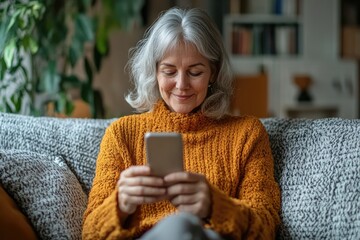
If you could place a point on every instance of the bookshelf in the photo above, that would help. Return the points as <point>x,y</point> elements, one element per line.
<point>260,29</point>
<point>302,38</point>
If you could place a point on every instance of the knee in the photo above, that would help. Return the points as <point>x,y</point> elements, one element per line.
<point>184,219</point>
<point>177,226</point>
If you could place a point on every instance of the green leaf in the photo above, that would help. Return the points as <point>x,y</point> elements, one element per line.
<point>71,81</point>
<point>69,107</point>
<point>12,20</point>
<point>101,42</point>
<point>97,58</point>
<point>30,44</point>
<point>9,52</point>
<point>50,81</point>
<point>3,36</point>
<point>33,46</point>
<point>37,9</point>
<point>60,103</point>
<point>88,70</point>
<point>22,20</point>
<point>75,51</point>
<point>87,93</point>
<point>63,104</point>
<point>8,108</point>
<point>3,68</point>
<point>17,101</point>
<point>84,28</point>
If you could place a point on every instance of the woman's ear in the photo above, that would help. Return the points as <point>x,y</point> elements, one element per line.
<point>212,78</point>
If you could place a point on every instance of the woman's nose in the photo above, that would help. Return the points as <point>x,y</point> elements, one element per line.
<point>182,81</point>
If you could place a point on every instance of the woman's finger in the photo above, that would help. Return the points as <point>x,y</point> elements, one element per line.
<point>141,181</point>
<point>182,188</point>
<point>142,191</point>
<point>134,171</point>
<point>184,200</point>
<point>182,177</point>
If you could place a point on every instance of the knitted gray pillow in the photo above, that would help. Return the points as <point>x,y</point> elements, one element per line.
<point>46,191</point>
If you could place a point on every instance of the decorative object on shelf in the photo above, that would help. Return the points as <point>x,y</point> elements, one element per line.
<point>303,82</point>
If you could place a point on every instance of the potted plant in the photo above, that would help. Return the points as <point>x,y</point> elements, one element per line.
<point>43,43</point>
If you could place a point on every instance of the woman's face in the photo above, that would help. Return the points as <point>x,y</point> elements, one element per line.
<point>183,76</point>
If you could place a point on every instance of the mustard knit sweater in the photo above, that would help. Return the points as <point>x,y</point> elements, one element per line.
<point>233,153</point>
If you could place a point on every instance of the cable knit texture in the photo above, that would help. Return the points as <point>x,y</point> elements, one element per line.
<point>76,140</point>
<point>317,163</point>
<point>233,153</point>
<point>46,191</point>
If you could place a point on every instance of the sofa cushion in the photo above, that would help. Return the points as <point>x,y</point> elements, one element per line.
<point>76,140</point>
<point>317,163</point>
<point>46,191</point>
<point>13,223</point>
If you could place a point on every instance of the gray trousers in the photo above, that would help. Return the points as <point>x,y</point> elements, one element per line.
<point>181,226</point>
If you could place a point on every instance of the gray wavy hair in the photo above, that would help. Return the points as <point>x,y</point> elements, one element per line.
<point>173,26</point>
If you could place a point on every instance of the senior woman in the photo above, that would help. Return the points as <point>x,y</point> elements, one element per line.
<point>227,190</point>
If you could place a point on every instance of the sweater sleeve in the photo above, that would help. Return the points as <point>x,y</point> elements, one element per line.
<point>102,216</point>
<point>255,213</point>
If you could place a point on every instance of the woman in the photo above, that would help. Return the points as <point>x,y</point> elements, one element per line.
<point>183,84</point>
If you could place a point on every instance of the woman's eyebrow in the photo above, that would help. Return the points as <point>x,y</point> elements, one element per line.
<point>172,65</point>
<point>197,64</point>
<point>167,64</point>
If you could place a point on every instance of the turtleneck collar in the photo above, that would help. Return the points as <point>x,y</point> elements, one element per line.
<point>165,119</point>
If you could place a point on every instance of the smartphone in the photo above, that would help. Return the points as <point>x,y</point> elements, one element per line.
<point>164,152</point>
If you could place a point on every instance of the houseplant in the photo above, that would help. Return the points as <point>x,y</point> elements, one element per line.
<point>43,43</point>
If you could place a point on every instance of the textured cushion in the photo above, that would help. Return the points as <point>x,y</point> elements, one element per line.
<point>46,191</point>
<point>13,223</point>
<point>76,140</point>
<point>317,163</point>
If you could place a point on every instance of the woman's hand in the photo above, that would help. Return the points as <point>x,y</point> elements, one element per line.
<point>189,192</point>
<point>136,187</point>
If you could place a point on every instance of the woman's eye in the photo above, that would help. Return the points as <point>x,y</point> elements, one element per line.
<point>169,73</point>
<point>195,74</point>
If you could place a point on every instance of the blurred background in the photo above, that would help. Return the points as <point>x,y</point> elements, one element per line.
<point>291,58</point>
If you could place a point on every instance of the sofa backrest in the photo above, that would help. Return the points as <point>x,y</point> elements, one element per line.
<point>76,140</point>
<point>317,163</point>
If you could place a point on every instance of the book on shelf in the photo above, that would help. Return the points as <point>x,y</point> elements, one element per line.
<point>269,40</point>
<point>286,7</point>
<point>279,7</point>
<point>264,39</point>
<point>259,6</point>
<point>242,40</point>
<point>285,39</point>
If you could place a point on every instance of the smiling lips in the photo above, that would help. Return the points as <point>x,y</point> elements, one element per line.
<point>182,97</point>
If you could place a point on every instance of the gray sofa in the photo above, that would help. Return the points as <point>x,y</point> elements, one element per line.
<point>47,166</point>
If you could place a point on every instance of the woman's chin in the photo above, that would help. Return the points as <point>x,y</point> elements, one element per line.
<point>182,109</point>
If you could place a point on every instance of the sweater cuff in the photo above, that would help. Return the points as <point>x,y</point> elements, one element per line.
<point>108,223</point>
<point>228,215</point>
